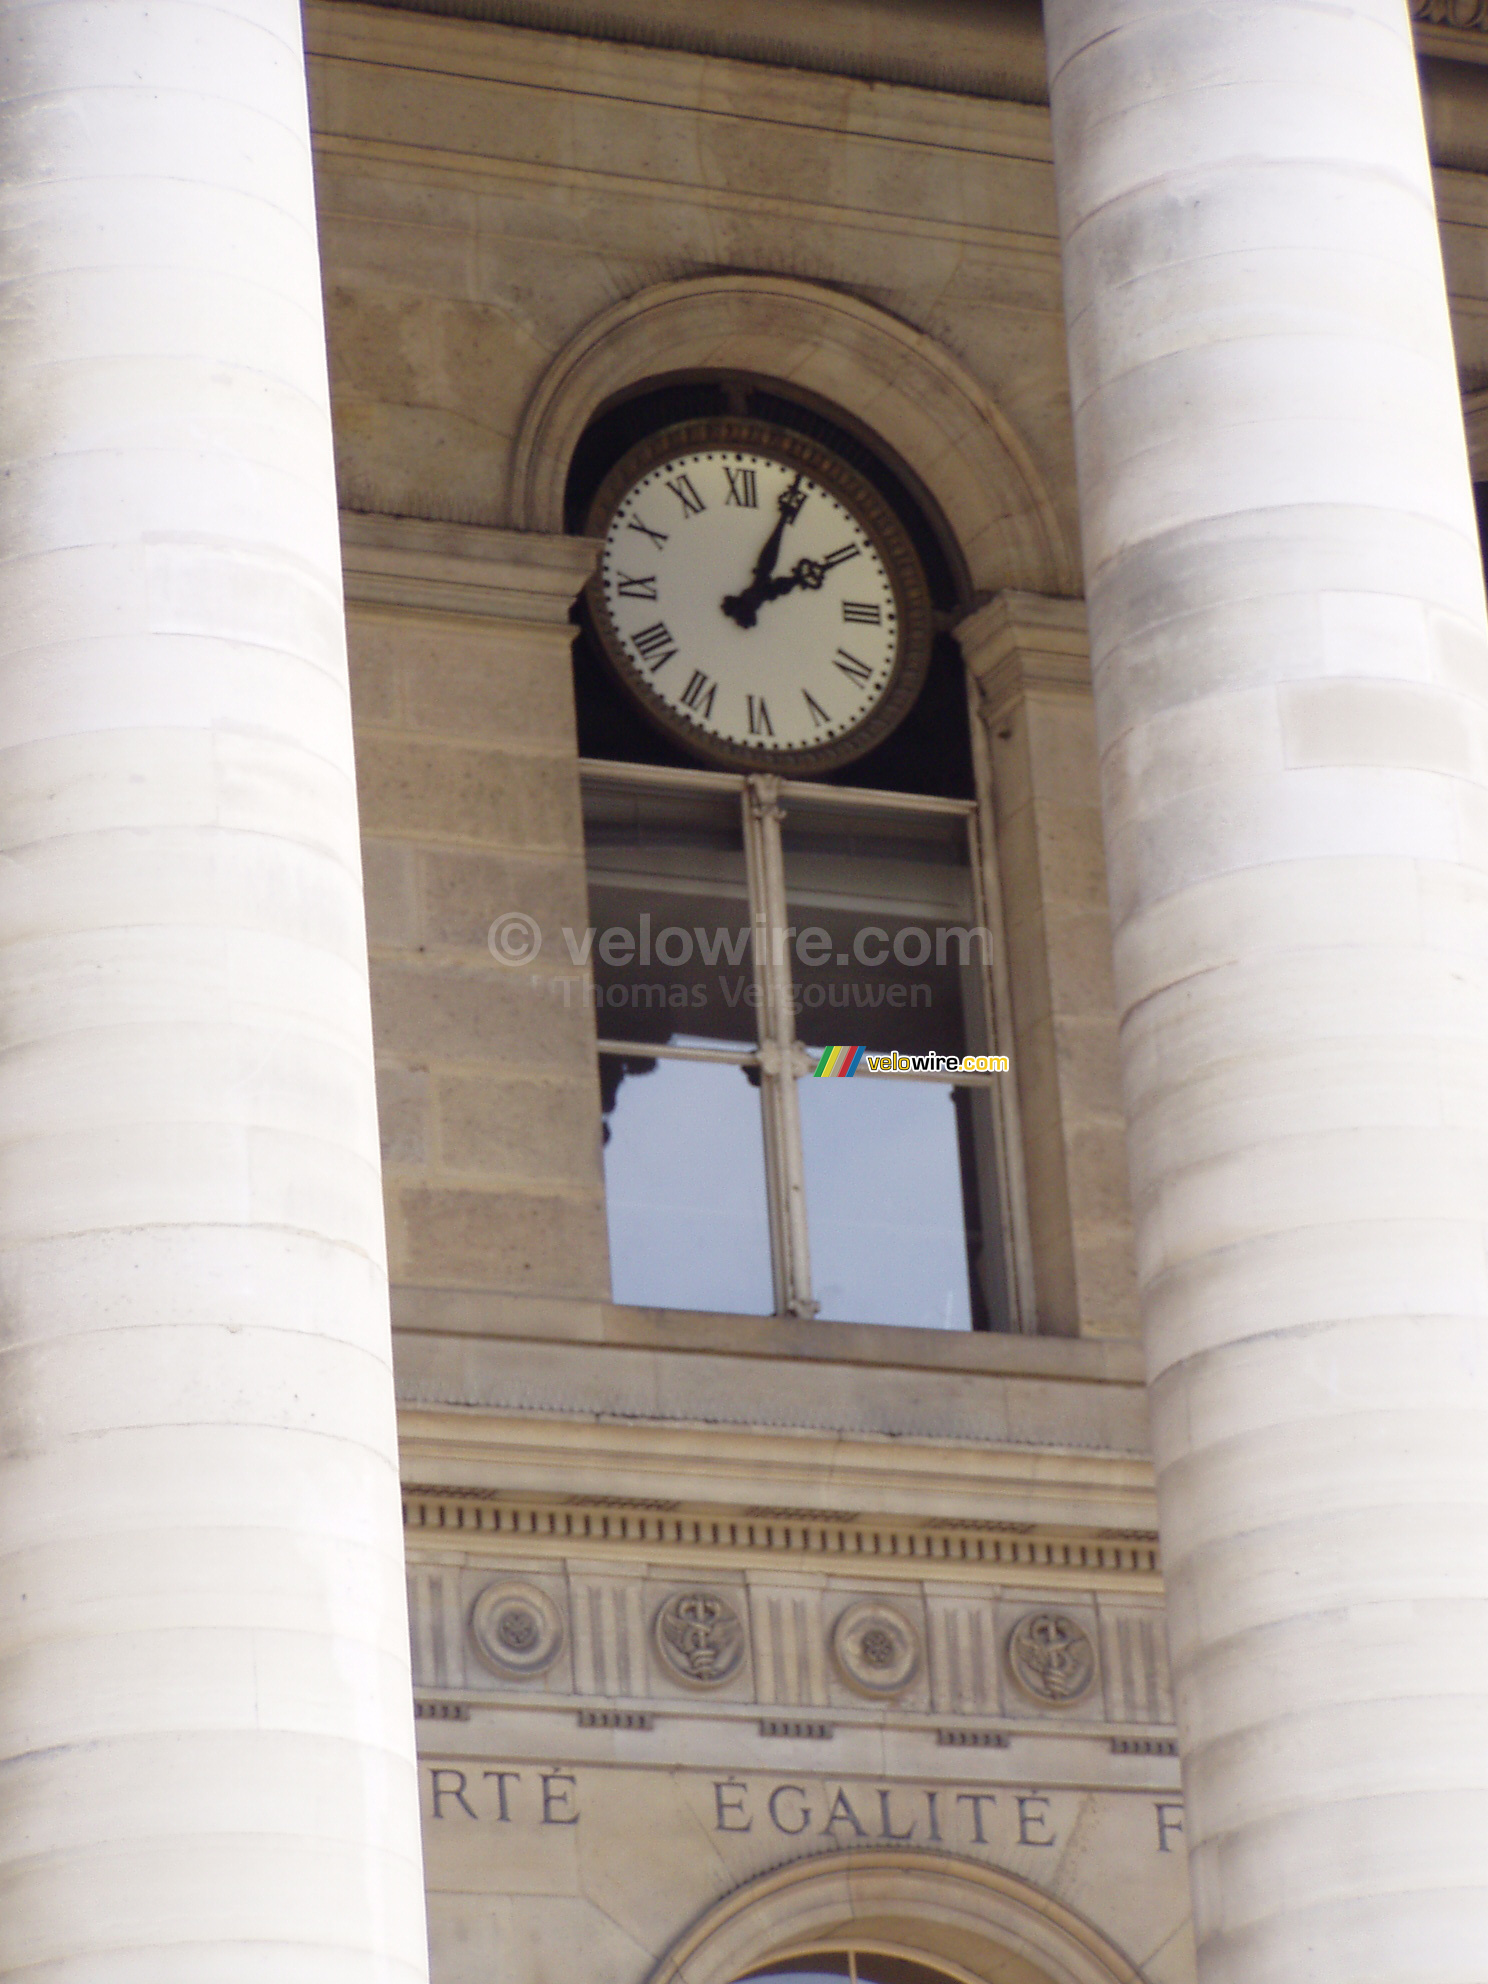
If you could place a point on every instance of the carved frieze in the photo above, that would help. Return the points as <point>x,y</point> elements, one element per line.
<point>796,1649</point>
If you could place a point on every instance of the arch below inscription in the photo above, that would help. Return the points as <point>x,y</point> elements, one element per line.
<point>922,402</point>
<point>939,1910</point>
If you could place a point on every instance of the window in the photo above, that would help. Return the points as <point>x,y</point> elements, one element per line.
<point>851,1966</point>
<point>741,926</point>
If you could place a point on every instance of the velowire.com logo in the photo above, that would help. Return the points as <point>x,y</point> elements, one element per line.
<point>857,1060</point>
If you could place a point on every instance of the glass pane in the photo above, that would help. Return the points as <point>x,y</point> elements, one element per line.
<point>806,1970</point>
<point>871,1968</point>
<point>875,1969</point>
<point>892,1204</point>
<point>685,1185</point>
<point>886,951</point>
<point>669,916</point>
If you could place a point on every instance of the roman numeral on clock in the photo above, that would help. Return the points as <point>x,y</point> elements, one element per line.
<point>699,693</point>
<point>743,492</point>
<point>855,670</point>
<point>654,644</point>
<point>629,588</point>
<point>818,714</point>
<point>687,496</point>
<point>839,556</point>
<point>657,537</point>
<point>864,610</point>
<point>759,717</point>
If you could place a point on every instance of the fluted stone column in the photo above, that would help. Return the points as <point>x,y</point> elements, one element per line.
<point>1291,681</point>
<point>205,1724</point>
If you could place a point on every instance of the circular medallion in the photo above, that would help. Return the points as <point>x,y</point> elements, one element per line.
<point>517,1629</point>
<point>757,596</point>
<point>700,1638</point>
<point>1052,1657</point>
<point>876,1648</point>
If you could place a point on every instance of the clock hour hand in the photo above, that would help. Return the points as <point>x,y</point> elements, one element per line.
<point>743,607</point>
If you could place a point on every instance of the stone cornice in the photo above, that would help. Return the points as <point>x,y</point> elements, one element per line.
<point>489,1518</point>
<point>1451,30</point>
<point>765,1476</point>
<point>528,578</point>
<point>1005,69</point>
<point>1455,16</point>
<point>582,1419</point>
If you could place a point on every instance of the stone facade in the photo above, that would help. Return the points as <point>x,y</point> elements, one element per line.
<point>518,223</point>
<point>736,1640</point>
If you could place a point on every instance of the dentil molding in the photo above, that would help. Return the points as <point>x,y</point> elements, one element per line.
<point>485,1516</point>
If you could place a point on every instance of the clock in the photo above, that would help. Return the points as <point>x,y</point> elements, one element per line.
<point>757,597</point>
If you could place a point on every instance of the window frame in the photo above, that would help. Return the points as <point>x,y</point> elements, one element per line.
<point>782,1060</point>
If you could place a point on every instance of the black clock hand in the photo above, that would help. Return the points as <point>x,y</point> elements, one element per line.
<point>812,572</point>
<point>743,607</point>
<point>808,573</point>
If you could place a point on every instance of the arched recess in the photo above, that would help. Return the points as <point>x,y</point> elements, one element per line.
<point>925,406</point>
<point>967,1918</point>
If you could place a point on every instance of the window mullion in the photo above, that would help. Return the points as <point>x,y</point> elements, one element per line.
<point>786,1166</point>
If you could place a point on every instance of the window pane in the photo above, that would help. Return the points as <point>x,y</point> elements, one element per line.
<point>807,1970</point>
<point>886,952</point>
<point>669,907</point>
<point>685,1186</point>
<point>875,1969</point>
<point>890,1181</point>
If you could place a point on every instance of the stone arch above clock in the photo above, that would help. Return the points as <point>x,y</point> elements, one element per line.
<point>913,395</point>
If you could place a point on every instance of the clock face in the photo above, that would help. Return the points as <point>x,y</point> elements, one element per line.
<point>757,597</point>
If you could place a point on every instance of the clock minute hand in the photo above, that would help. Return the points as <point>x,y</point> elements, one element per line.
<point>743,607</point>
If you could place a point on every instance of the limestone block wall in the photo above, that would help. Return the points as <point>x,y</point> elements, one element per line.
<point>487,1089</point>
<point>486,193</point>
<point>873,1692</point>
<point>961,1617</point>
<point>861,1546</point>
<point>489,199</point>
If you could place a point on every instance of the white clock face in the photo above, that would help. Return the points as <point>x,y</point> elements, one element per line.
<point>750,602</point>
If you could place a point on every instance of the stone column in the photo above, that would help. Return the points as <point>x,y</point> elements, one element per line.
<point>205,1718</point>
<point>1291,684</point>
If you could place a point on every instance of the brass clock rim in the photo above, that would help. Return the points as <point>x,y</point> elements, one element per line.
<point>879,520</point>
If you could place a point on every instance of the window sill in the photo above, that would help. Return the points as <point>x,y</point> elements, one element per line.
<point>491,1313</point>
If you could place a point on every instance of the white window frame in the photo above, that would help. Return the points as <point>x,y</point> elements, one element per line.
<point>781,1059</point>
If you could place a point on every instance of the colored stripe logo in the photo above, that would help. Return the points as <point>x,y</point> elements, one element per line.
<point>840,1060</point>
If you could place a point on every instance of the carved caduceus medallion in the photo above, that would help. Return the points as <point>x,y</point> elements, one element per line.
<point>700,1638</point>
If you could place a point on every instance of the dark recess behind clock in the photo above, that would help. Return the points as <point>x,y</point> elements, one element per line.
<point>930,752</point>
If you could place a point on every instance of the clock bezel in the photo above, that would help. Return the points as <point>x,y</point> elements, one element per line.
<point>879,521</point>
